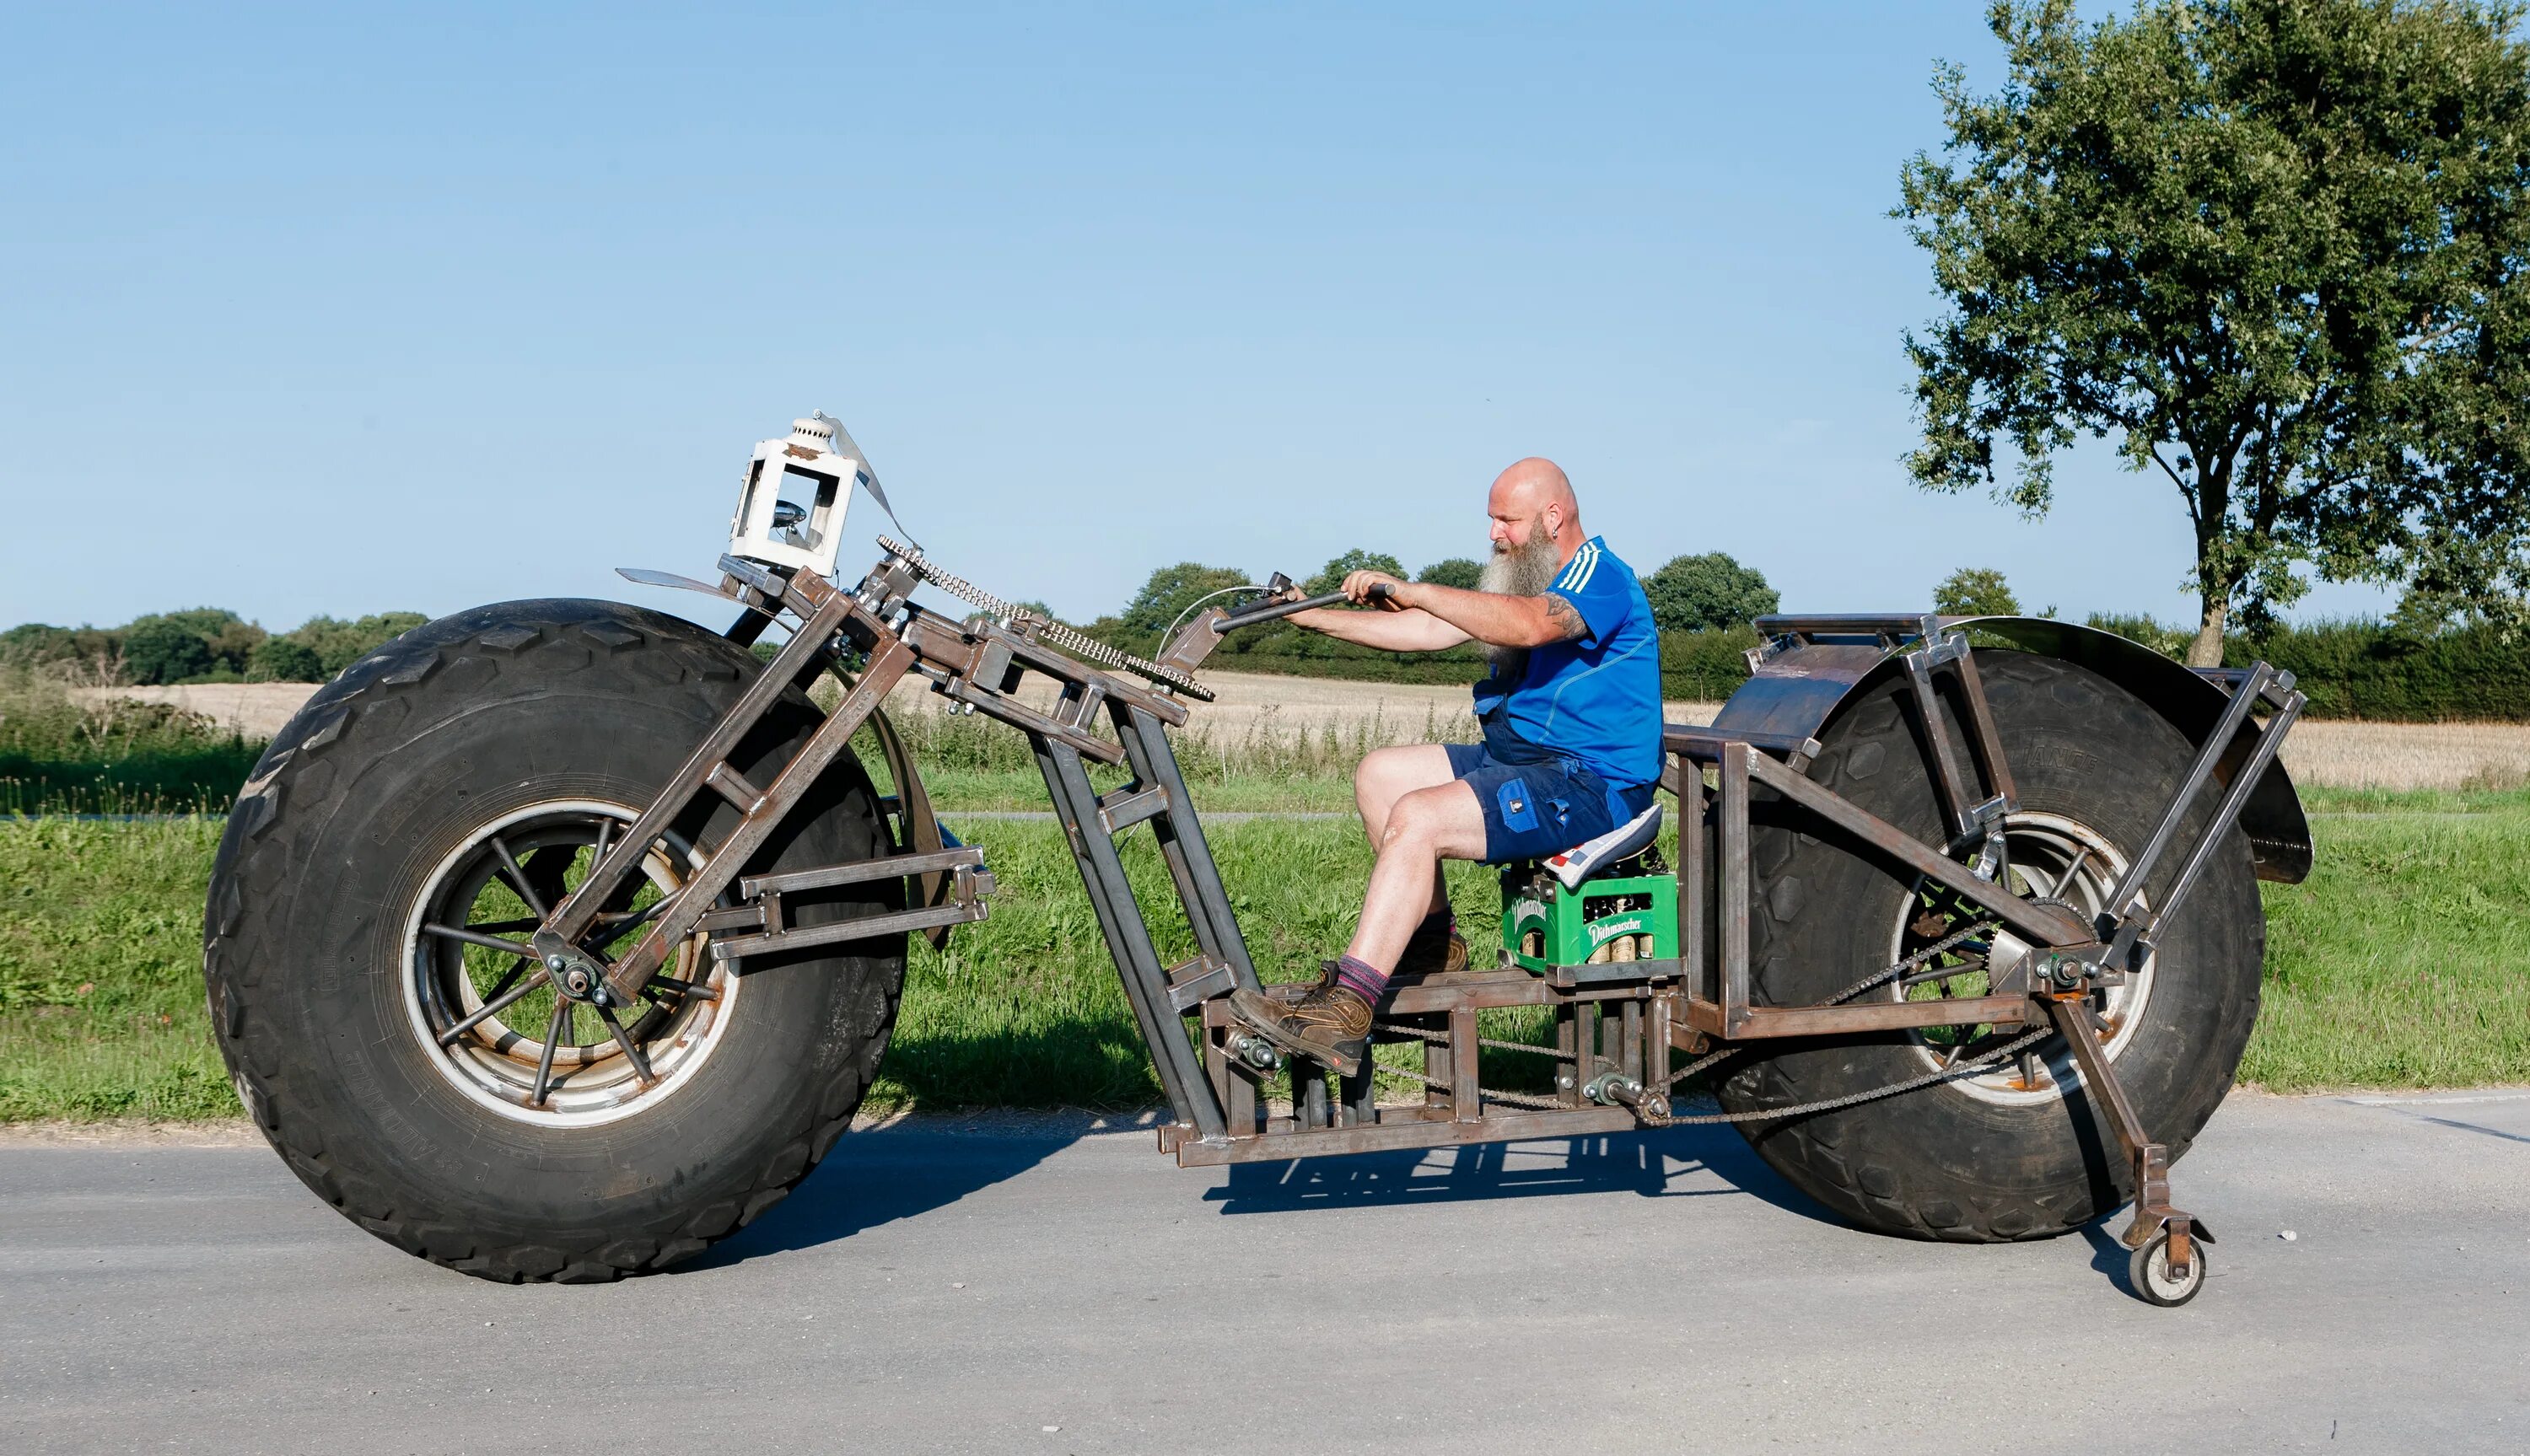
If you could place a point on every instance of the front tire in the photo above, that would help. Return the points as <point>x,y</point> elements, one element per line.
<point>414,796</point>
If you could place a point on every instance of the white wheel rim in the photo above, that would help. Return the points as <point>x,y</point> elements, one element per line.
<point>2156,1272</point>
<point>493,1065</point>
<point>2044,846</point>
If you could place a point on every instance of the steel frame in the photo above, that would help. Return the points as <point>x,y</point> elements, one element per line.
<point>1616,1025</point>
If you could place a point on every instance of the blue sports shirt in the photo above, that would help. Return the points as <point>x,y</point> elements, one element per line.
<point>1596,699</point>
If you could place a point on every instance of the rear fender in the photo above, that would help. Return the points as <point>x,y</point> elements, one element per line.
<point>1800,685</point>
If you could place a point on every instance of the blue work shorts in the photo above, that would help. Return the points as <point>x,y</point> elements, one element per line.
<point>1542,806</point>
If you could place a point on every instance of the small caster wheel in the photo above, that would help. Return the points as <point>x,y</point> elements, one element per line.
<point>2148,1271</point>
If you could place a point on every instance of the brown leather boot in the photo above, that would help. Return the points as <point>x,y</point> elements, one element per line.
<point>1427,953</point>
<point>1331,1024</point>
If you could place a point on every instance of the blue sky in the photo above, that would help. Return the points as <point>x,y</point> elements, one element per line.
<point>358,308</point>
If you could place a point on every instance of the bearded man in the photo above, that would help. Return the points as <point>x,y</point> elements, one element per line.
<point>1572,717</point>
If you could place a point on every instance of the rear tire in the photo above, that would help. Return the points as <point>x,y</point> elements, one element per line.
<point>537,716</point>
<point>2013,1154</point>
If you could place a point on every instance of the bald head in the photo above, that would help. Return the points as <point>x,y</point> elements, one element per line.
<point>1531,499</point>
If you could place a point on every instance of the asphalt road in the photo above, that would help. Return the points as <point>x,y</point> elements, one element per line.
<point>1034,1287</point>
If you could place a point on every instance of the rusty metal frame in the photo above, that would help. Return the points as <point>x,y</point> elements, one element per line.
<point>1614,1027</point>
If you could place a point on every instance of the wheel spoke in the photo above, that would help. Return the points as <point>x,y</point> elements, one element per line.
<point>487,927</point>
<point>1940,973</point>
<point>686,989</point>
<point>619,921</point>
<point>509,978</point>
<point>2070,871</point>
<point>518,878</point>
<point>544,1059</point>
<point>640,1063</point>
<point>495,1005</point>
<point>605,839</point>
<point>549,871</point>
<point>472,937</point>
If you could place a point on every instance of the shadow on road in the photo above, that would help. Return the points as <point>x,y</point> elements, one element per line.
<point>1639,1162</point>
<point>880,1176</point>
<point>877,1177</point>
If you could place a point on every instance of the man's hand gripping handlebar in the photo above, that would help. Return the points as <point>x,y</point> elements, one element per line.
<point>1381,595</point>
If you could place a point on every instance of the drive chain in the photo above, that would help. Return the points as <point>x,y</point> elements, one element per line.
<point>1483,1093</point>
<point>1425,1034</point>
<point>1983,1064</point>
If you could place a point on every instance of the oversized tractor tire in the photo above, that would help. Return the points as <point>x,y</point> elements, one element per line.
<point>2016,1152</point>
<point>397,833</point>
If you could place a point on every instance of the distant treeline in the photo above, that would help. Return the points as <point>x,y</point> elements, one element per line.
<point>207,644</point>
<point>2350,668</point>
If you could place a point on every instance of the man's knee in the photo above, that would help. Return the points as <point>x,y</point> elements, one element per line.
<point>1426,822</point>
<point>1389,769</point>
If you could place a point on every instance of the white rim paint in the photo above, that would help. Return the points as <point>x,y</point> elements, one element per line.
<point>2042,847</point>
<point>471,1075</point>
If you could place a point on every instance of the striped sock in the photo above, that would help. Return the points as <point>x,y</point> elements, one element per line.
<point>1361,978</point>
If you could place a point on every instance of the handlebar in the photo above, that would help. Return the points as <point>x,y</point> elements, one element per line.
<point>1277,611</point>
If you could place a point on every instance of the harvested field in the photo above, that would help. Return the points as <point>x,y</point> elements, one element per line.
<point>1249,704</point>
<point>1257,704</point>
<point>2350,754</point>
<point>253,710</point>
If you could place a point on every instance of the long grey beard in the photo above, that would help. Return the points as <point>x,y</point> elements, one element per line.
<point>1518,571</point>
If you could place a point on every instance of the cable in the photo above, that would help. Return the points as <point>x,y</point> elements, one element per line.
<point>1179,620</point>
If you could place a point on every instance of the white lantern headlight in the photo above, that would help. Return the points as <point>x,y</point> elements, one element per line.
<point>791,507</point>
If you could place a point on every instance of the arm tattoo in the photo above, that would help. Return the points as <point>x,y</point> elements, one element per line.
<point>1568,624</point>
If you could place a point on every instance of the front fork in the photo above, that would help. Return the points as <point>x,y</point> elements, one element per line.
<point>951,882</point>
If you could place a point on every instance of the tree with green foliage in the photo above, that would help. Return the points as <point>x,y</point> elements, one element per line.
<point>1457,570</point>
<point>228,639</point>
<point>338,644</point>
<point>1171,590</point>
<point>284,660</point>
<point>1975,591</point>
<point>35,644</point>
<point>159,651</point>
<point>1692,593</point>
<point>1333,574</point>
<point>2280,250</point>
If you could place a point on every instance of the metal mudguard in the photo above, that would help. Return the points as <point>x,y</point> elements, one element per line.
<point>918,828</point>
<point>1801,682</point>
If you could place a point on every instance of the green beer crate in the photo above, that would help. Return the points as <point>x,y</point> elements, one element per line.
<point>1624,918</point>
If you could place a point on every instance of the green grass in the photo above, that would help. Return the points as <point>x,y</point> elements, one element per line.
<point>2404,961</point>
<point>101,1011</point>
<point>2320,802</point>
